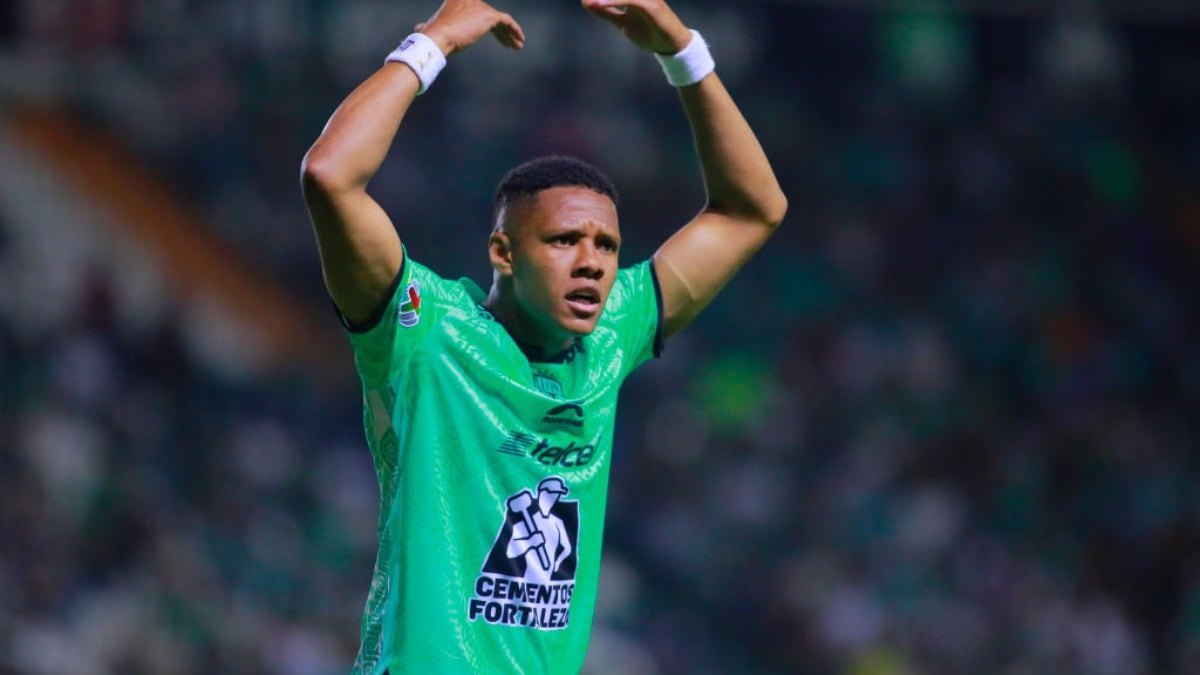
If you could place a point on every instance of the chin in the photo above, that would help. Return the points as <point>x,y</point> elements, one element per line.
<point>579,327</point>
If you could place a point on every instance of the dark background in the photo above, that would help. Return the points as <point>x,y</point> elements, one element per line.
<point>946,422</point>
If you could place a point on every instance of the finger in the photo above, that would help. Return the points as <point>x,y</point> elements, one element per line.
<point>603,11</point>
<point>618,5</point>
<point>509,32</point>
<point>613,15</point>
<point>608,12</point>
<point>620,13</point>
<point>507,37</point>
<point>512,25</point>
<point>419,27</point>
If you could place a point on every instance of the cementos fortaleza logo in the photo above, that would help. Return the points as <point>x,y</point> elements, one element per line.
<point>528,577</point>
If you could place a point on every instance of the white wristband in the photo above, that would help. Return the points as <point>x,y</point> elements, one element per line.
<point>422,54</point>
<point>690,65</point>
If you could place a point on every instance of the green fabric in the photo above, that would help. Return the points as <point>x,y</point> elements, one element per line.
<point>463,429</point>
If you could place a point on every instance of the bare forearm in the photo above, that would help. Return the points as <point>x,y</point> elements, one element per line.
<point>737,175</point>
<point>357,137</point>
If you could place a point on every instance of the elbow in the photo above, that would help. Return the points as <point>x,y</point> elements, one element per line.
<point>316,176</point>
<point>774,209</point>
<point>764,210</point>
<point>321,174</point>
<point>766,207</point>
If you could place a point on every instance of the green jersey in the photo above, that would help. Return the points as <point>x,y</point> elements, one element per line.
<point>493,472</point>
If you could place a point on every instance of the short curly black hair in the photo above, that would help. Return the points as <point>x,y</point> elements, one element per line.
<point>543,173</point>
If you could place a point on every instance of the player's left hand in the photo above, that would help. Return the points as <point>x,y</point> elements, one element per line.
<point>458,24</point>
<point>649,24</point>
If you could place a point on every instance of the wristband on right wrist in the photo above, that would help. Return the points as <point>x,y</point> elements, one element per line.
<point>421,53</point>
<point>690,65</point>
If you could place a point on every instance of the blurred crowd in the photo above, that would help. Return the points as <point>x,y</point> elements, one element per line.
<point>948,421</point>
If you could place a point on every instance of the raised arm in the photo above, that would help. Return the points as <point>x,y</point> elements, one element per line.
<point>745,203</point>
<point>360,249</point>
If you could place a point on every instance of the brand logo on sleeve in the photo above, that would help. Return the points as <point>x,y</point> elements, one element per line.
<point>409,312</point>
<point>528,577</point>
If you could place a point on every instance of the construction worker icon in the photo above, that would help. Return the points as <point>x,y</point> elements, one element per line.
<point>528,577</point>
<point>539,535</point>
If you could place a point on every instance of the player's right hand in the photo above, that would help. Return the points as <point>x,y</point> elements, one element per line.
<point>458,24</point>
<point>536,539</point>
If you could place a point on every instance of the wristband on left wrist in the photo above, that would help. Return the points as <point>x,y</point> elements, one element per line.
<point>419,52</point>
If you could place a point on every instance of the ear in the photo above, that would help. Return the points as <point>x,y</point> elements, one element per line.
<point>500,252</point>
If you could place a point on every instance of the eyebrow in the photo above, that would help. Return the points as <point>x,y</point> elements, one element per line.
<point>577,231</point>
<point>604,237</point>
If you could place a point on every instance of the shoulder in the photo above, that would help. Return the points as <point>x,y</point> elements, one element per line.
<point>428,289</point>
<point>633,285</point>
<point>632,319</point>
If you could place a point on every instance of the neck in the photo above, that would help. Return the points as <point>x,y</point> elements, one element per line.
<point>533,338</point>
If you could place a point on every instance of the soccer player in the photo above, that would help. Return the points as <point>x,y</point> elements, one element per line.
<point>489,416</point>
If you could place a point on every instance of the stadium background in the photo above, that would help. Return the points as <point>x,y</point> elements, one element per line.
<point>946,423</point>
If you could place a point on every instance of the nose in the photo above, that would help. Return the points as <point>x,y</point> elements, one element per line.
<point>587,261</point>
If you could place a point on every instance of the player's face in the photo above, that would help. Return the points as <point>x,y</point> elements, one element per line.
<point>564,245</point>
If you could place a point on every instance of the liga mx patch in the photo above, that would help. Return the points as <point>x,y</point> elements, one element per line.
<point>409,312</point>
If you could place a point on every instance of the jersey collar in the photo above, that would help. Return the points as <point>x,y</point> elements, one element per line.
<point>533,353</point>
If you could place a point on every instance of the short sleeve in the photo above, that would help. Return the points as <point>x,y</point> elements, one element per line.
<point>634,315</point>
<point>417,301</point>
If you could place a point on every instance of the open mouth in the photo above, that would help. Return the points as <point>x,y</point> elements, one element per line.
<point>584,301</point>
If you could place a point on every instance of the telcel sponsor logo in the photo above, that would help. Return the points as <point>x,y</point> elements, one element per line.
<point>569,456</point>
